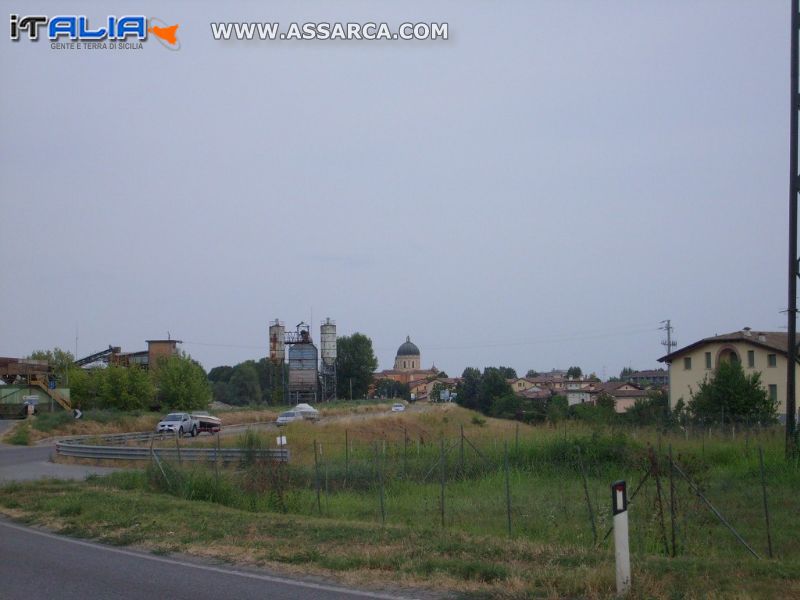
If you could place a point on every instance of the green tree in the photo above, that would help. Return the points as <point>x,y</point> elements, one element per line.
<point>732,395</point>
<point>467,389</point>
<point>222,392</point>
<point>60,360</point>
<point>245,385</point>
<point>439,387</point>
<point>557,409</point>
<point>652,410</point>
<point>493,386</point>
<point>532,373</point>
<point>574,373</point>
<point>182,383</point>
<point>222,373</point>
<point>508,372</point>
<point>355,364</point>
<point>389,388</point>
<point>625,373</point>
<point>122,388</point>
<point>509,406</point>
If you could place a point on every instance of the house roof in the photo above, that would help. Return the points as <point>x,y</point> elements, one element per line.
<point>647,374</point>
<point>770,340</point>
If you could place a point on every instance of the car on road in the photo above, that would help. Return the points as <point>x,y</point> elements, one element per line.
<point>178,423</point>
<point>287,417</point>
<point>398,407</point>
<point>298,413</point>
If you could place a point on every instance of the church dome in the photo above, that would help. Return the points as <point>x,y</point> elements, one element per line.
<point>408,348</point>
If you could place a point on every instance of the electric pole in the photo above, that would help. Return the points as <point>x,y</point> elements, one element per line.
<point>668,344</point>
<point>794,188</point>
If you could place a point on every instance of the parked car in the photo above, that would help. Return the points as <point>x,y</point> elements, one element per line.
<point>287,417</point>
<point>298,413</point>
<point>180,423</point>
<point>398,407</point>
<point>307,412</point>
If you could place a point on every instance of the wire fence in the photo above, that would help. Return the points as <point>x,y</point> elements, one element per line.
<point>693,491</point>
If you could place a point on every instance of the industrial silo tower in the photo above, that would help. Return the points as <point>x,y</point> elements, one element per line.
<point>327,336</point>
<point>303,373</point>
<point>277,361</point>
<point>277,333</point>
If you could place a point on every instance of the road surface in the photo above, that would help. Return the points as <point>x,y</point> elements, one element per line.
<point>36,564</point>
<point>24,463</point>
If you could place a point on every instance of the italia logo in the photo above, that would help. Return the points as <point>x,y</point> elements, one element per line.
<point>77,28</point>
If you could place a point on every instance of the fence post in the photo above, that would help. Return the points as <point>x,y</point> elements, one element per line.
<point>316,479</point>
<point>216,456</point>
<point>178,446</point>
<point>442,475</point>
<point>405,453</point>
<point>766,506</point>
<point>655,468</point>
<point>516,443</point>
<point>672,501</point>
<point>586,493</point>
<point>619,507</point>
<point>461,465</point>
<point>508,490</point>
<point>346,456</point>
<point>379,468</point>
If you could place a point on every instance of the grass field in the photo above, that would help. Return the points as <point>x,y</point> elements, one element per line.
<point>374,505</point>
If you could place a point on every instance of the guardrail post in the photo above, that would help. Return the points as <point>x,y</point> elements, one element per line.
<point>619,506</point>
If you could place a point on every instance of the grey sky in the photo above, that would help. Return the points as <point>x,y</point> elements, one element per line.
<point>538,191</point>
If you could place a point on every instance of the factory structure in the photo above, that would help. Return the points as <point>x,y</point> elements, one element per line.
<point>307,374</point>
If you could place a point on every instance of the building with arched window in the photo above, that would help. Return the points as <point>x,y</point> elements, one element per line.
<point>407,365</point>
<point>764,352</point>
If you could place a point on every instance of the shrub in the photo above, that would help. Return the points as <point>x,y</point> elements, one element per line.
<point>21,435</point>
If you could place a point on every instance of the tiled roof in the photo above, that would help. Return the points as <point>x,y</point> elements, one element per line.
<point>771,340</point>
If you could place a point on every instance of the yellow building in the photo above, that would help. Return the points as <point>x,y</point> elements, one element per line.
<point>762,351</point>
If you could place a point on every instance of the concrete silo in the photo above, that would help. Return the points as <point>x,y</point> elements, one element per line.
<point>327,338</point>
<point>303,373</point>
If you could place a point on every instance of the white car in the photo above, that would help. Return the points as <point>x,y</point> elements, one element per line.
<point>398,407</point>
<point>288,417</point>
<point>180,423</point>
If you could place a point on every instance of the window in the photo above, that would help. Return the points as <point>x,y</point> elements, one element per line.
<point>772,360</point>
<point>687,363</point>
<point>751,358</point>
<point>404,364</point>
<point>708,360</point>
<point>773,392</point>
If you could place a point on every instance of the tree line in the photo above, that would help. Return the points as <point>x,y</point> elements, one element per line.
<point>728,395</point>
<point>174,383</point>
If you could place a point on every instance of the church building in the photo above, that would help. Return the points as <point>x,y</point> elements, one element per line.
<point>407,365</point>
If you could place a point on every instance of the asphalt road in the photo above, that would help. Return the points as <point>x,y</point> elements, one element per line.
<point>24,463</point>
<point>35,564</point>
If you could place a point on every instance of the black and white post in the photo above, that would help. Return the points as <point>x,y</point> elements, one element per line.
<point>619,505</point>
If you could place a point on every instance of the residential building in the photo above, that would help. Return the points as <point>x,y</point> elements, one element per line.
<point>652,377</point>
<point>757,351</point>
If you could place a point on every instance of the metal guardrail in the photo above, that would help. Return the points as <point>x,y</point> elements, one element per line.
<point>114,447</point>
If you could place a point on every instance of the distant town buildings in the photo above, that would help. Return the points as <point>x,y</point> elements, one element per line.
<point>654,377</point>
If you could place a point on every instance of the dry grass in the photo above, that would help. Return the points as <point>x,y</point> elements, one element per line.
<point>366,555</point>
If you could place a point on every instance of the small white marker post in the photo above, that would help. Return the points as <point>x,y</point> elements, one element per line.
<point>619,504</point>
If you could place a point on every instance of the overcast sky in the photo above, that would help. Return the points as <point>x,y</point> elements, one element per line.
<point>540,190</point>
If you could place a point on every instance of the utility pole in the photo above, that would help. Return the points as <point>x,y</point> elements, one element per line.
<point>794,188</point>
<point>668,344</point>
